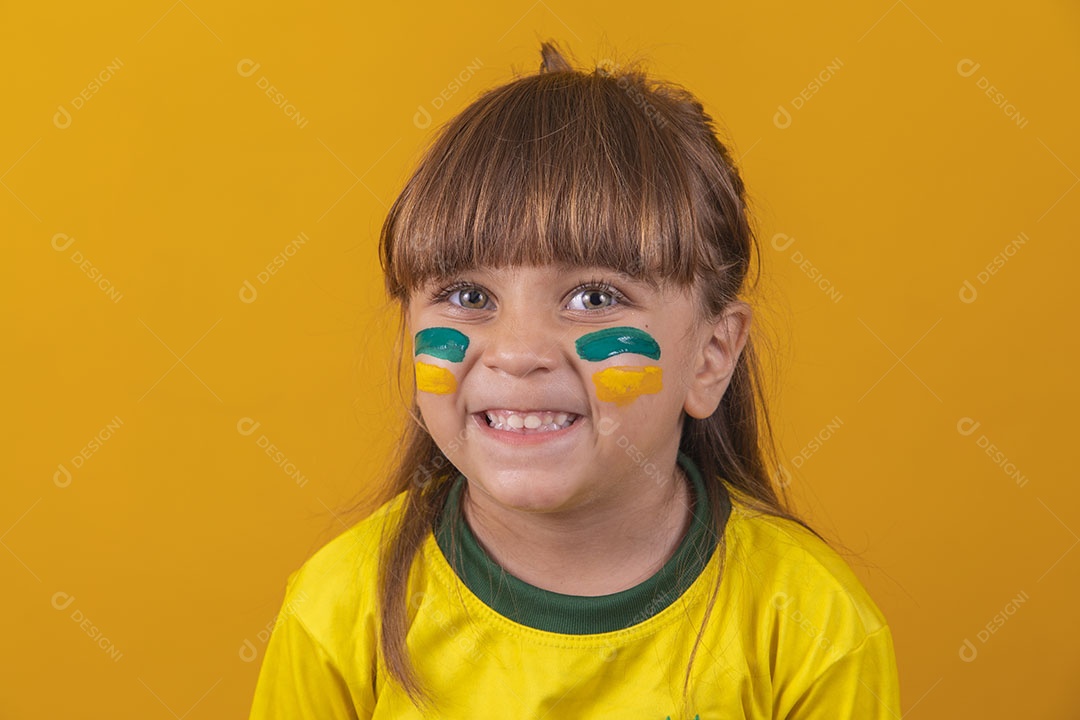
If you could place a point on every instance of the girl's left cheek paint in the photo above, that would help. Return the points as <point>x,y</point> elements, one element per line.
<point>609,342</point>
<point>443,343</point>
<point>622,384</point>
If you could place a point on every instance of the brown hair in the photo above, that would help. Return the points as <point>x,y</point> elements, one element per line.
<point>608,167</point>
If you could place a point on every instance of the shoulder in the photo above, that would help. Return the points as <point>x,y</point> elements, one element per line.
<point>337,586</point>
<point>812,625</point>
<point>799,582</point>
<point>323,650</point>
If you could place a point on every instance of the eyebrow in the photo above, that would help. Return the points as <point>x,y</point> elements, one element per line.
<point>488,272</point>
<point>605,269</point>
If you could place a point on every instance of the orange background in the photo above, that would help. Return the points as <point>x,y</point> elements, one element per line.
<point>178,180</point>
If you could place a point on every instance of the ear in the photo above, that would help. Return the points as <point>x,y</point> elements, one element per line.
<point>718,354</point>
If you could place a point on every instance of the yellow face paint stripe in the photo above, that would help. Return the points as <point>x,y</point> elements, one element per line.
<point>434,379</point>
<point>623,385</point>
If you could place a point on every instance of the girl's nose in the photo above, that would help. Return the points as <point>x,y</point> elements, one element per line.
<point>519,345</point>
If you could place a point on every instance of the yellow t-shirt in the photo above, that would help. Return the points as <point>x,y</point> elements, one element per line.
<point>793,633</point>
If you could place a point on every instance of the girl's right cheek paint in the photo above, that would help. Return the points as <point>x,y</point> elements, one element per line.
<point>445,344</point>
<point>441,342</point>
<point>434,379</point>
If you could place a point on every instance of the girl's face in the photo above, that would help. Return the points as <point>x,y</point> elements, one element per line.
<point>550,387</point>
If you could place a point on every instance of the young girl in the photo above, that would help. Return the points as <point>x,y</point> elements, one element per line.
<point>581,522</point>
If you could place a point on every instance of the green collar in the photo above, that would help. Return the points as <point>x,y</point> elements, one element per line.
<point>574,614</point>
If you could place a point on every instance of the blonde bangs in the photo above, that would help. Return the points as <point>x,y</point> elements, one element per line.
<point>560,167</point>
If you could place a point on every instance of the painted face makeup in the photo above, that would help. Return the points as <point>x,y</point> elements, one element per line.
<point>622,384</point>
<point>445,344</point>
<point>609,342</point>
<point>434,379</point>
<point>442,342</point>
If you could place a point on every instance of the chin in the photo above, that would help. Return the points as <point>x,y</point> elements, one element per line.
<point>528,490</point>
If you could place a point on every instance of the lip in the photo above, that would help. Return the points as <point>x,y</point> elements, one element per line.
<point>506,437</point>
<point>525,411</point>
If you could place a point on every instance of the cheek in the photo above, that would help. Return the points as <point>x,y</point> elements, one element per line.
<point>623,385</point>
<point>443,343</point>
<point>438,409</point>
<point>609,342</point>
<point>434,379</point>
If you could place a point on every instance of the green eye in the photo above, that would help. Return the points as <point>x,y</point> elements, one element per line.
<point>470,297</point>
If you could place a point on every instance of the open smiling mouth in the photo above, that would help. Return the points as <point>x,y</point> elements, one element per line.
<point>528,422</point>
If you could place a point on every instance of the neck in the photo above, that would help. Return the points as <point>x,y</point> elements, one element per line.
<point>602,548</point>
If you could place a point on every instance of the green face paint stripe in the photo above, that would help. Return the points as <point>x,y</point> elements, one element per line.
<point>602,344</point>
<point>441,342</point>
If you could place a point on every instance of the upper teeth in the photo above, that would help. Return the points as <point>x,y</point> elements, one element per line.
<point>543,421</point>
